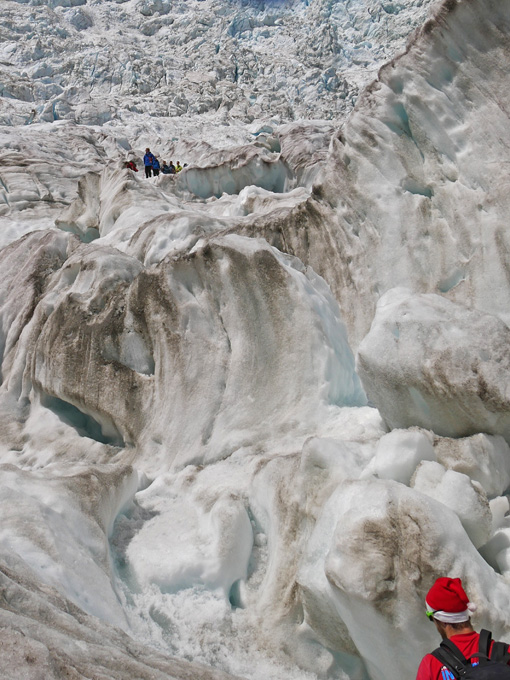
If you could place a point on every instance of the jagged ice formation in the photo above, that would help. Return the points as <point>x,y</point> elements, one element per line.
<point>250,412</point>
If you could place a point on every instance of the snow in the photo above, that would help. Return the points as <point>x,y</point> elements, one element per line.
<point>249,412</point>
<point>211,548</point>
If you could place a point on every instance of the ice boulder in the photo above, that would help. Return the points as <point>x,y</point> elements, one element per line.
<point>497,550</point>
<point>398,454</point>
<point>500,507</point>
<point>80,20</point>
<point>429,362</point>
<point>93,113</point>
<point>483,458</point>
<point>457,492</point>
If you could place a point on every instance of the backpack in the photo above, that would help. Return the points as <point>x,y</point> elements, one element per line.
<point>490,666</point>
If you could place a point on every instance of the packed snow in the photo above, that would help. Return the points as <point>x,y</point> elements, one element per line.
<point>250,411</point>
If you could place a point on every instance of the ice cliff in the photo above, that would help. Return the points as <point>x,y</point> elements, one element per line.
<point>250,412</point>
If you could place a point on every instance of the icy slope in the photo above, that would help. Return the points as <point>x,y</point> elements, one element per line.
<point>414,192</point>
<point>220,324</point>
<point>186,454</point>
<point>44,635</point>
<point>417,178</point>
<point>97,61</point>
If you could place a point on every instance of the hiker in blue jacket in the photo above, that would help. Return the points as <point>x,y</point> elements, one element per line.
<point>148,160</point>
<point>155,166</point>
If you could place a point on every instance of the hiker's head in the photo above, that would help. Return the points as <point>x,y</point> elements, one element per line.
<point>147,150</point>
<point>448,603</point>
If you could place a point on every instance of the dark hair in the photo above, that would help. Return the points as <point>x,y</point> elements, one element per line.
<point>461,625</point>
<point>455,626</point>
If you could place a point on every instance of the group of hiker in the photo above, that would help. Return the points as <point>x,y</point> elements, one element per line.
<point>153,166</point>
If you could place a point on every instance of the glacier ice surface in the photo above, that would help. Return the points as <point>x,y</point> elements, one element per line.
<point>192,480</point>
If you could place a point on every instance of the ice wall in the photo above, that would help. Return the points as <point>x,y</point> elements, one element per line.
<point>415,179</point>
<point>414,193</point>
<point>219,326</point>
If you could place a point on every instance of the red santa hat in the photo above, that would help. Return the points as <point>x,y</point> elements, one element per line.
<point>448,602</point>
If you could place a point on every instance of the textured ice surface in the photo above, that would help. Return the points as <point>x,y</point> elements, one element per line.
<point>456,491</point>
<point>189,471</point>
<point>430,362</point>
<point>97,62</point>
<point>398,454</point>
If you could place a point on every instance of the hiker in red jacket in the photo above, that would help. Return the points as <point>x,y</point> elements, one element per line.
<point>449,608</point>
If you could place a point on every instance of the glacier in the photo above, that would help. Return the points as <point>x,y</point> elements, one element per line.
<point>251,411</point>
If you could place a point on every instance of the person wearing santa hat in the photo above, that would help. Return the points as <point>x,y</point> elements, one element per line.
<point>449,608</point>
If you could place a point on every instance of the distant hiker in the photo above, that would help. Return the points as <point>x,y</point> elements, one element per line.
<point>155,166</point>
<point>148,159</point>
<point>171,168</point>
<point>463,652</point>
<point>178,167</point>
<point>131,165</point>
<point>165,169</point>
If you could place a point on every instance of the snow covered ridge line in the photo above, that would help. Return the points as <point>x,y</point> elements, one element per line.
<point>438,14</point>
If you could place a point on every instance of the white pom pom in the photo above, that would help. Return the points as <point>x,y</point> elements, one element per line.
<point>472,607</point>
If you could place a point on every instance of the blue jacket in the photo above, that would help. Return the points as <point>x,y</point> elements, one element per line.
<point>155,163</point>
<point>148,159</point>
